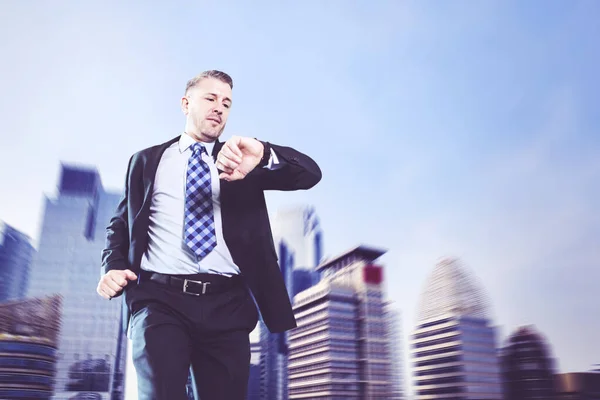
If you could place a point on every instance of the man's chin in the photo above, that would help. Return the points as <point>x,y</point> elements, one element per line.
<point>211,134</point>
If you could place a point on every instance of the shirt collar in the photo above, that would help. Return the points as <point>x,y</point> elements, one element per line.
<point>185,141</point>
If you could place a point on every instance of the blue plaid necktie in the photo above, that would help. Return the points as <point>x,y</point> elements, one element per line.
<point>199,233</point>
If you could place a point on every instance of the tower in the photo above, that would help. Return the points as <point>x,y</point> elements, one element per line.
<point>454,345</point>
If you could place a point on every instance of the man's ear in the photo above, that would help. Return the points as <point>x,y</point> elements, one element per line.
<point>185,104</point>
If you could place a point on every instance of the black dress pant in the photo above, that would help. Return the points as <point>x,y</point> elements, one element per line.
<point>171,330</point>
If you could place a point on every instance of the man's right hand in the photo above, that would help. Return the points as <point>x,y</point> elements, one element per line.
<point>113,282</point>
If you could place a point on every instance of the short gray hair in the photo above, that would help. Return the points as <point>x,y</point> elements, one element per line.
<point>222,76</point>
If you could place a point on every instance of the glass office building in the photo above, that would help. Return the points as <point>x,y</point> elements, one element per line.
<point>91,349</point>
<point>300,228</point>
<point>454,345</point>
<point>298,241</point>
<point>16,252</point>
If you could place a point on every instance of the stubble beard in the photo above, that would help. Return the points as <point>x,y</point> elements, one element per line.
<point>205,132</point>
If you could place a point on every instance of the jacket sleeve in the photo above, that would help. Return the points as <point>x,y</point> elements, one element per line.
<point>116,248</point>
<point>297,172</point>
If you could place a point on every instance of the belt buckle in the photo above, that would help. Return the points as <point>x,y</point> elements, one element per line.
<point>186,283</point>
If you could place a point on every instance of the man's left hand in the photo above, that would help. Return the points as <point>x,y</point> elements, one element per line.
<point>238,157</point>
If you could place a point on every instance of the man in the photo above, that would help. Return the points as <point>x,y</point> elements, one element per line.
<point>191,246</point>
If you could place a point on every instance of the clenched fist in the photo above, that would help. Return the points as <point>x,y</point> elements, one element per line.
<point>239,156</point>
<point>113,282</point>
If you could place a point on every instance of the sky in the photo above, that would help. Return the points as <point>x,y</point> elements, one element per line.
<point>457,128</point>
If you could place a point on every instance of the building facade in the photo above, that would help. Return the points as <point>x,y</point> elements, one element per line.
<point>527,366</point>
<point>340,349</point>
<point>16,252</point>
<point>578,386</point>
<point>274,348</point>
<point>29,330</point>
<point>298,241</point>
<point>301,229</point>
<point>91,345</point>
<point>393,318</point>
<point>454,345</point>
<point>254,376</point>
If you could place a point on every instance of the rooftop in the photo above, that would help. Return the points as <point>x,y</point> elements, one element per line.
<point>361,252</point>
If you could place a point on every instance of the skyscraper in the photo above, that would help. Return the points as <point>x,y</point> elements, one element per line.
<point>454,345</point>
<point>527,366</point>
<point>341,349</point>
<point>254,376</point>
<point>303,279</point>
<point>301,230</point>
<point>90,351</point>
<point>298,241</point>
<point>395,339</point>
<point>274,351</point>
<point>16,252</point>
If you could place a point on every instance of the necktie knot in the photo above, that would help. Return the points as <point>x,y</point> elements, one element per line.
<point>198,148</point>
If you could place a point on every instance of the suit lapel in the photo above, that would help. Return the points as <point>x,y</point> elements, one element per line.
<point>215,152</point>
<point>150,169</point>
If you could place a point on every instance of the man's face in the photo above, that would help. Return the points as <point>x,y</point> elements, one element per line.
<point>207,106</point>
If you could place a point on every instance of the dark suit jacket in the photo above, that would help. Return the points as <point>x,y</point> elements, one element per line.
<point>246,226</point>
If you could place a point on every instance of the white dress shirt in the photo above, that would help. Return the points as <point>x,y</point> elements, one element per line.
<point>167,252</point>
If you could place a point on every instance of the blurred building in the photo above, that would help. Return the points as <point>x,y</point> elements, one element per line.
<point>301,230</point>
<point>303,279</point>
<point>527,366</point>
<point>297,237</point>
<point>274,350</point>
<point>254,377</point>
<point>578,386</point>
<point>91,357</point>
<point>394,329</point>
<point>29,332</point>
<point>16,252</point>
<point>340,349</point>
<point>454,345</point>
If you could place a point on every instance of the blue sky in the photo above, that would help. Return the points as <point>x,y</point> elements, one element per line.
<point>442,128</point>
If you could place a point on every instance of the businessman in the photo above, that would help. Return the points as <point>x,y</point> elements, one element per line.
<point>191,248</point>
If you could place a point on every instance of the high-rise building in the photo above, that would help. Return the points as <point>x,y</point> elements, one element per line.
<point>340,349</point>
<point>274,349</point>
<point>303,279</point>
<point>298,241</point>
<point>16,252</point>
<point>395,339</point>
<point>29,331</point>
<point>301,230</point>
<point>454,345</point>
<point>91,349</point>
<point>254,376</point>
<point>527,366</point>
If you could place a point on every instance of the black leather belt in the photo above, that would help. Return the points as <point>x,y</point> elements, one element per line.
<point>195,285</point>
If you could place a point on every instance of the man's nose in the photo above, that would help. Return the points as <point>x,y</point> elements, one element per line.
<point>218,109</point>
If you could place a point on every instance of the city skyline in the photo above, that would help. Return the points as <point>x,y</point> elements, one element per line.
<point>462,129</point>
<point>407,369</point>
